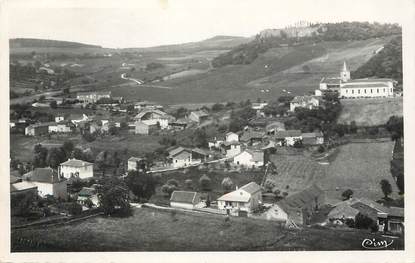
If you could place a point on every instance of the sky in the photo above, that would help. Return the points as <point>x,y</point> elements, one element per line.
<point>146,23</point>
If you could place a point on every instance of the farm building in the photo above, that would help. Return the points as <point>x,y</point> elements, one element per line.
<point>288,138</point>
<point>93,96</point>
<point>144,128</point>
<point>133,163</point>
<point>312,138</point>
<point>387,218</point>
<point>198,116</point>
<point>231,149</point>
<point>77,118</point>
<point>182,157</point>
<point>154,117</point>
<point>61,127</point>
<point>184,199</point>
<point>242,201</point>
<point>76,168</point>
<point>307,102</point>
<point>249,158</point>
<point>21,191</point>
<point>252,137</point>
<point>302,205</point>
<point>274,127</point>
<point>48,182</point>
<point>231,136</point>
<point>38,129</point>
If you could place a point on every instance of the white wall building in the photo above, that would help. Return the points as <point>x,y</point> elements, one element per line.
<point>367,88</point>
<point>231,136</point>
<point>48,182</point>
<point>244,199</point>
<point>249,158</point>
<point>76,168</point>
<point>184,199</point>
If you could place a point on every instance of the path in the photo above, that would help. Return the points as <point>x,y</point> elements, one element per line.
<point>138,81</point>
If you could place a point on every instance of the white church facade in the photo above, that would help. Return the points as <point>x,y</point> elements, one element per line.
<point>357,88</point>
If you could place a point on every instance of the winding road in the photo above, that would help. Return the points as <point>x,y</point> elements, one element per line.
<point>141,83</point>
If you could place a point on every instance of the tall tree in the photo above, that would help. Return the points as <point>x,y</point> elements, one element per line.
<point>386,187</point>
<point>113,196</point>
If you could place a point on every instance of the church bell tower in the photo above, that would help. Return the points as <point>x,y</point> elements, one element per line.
<point>345,73</point>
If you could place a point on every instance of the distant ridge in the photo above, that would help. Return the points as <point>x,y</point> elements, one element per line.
<point>46,43</point>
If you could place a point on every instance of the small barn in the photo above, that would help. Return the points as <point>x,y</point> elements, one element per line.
<point>184,199</point>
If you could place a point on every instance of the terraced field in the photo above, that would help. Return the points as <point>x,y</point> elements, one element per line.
<point>297,172</point>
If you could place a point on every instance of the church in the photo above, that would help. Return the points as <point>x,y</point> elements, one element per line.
<point>357,88</point>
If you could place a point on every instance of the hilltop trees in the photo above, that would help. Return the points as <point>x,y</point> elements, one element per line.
<point>113,196</point>
<point>347,194</point>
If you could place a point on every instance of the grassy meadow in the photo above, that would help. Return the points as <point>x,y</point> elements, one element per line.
<point>155,230</point>
<point>369,112</point>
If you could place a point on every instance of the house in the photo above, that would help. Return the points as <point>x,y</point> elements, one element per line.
<point>288,138</point>
<point>144,128</point>
<point>22,191</point>
<point>198,116</point>
<point>307,102</point>
<point>273,127</point>
<point>312,138</point>
<point>252,137</point>
<point>48,182</point>
<point>61,127</point>
<point>184,199</point>
<point>59,118</point>
<point>88,193</point>
<point>41,105</point>
<point>180,157</point>
<point>154,117</point>
<point>387,218</point>
<point>133,163</point>
<point>249,158</point>
<point>242,201</point>
<point>301,206</point>
<point>76,168</point>
<point>38,129</point>
<point>259,105</point>
<point>215,142</point>
<point>231,149</point>
<point>179,124</point>
<point>93,96</point>
<point>77,118</point>
<point>231,136</point>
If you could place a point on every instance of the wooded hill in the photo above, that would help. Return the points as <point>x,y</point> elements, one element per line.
<point>387,63</point>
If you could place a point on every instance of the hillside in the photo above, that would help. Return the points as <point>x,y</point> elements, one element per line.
<point>46,43</point>
<point>291,36</point>
<point>387,63</point>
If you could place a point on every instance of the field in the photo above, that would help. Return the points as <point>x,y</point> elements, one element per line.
<point>155,230</point>
<point>296,172</point>
<point>360,167</point>
<point>368,112</point>
<point>356,166</point>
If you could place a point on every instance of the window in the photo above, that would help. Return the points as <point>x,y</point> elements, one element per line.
<point>365,91</point>
<point>371,91</point>
<point>391,89</point>
<point>384,91</point>
<point>347,91</point>
<point>352,91</point>
<point>358,91</point>
<point>377,90</point>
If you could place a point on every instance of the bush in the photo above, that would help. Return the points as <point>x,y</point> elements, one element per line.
<point>173,182</point>
<point>189,183</point>
<point>227,184</point>
<point>269,185</point>
<point>347,194</point>
<point>168,189</point>
<point>364,222</point>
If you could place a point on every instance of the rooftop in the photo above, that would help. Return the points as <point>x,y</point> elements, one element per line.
<point>43,175</point>
<point>76,163</point>
<point>184,197</point>
<point>288,133</point>
<point>21,186</point>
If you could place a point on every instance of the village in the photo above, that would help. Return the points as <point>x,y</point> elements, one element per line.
<point>261,160</point>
